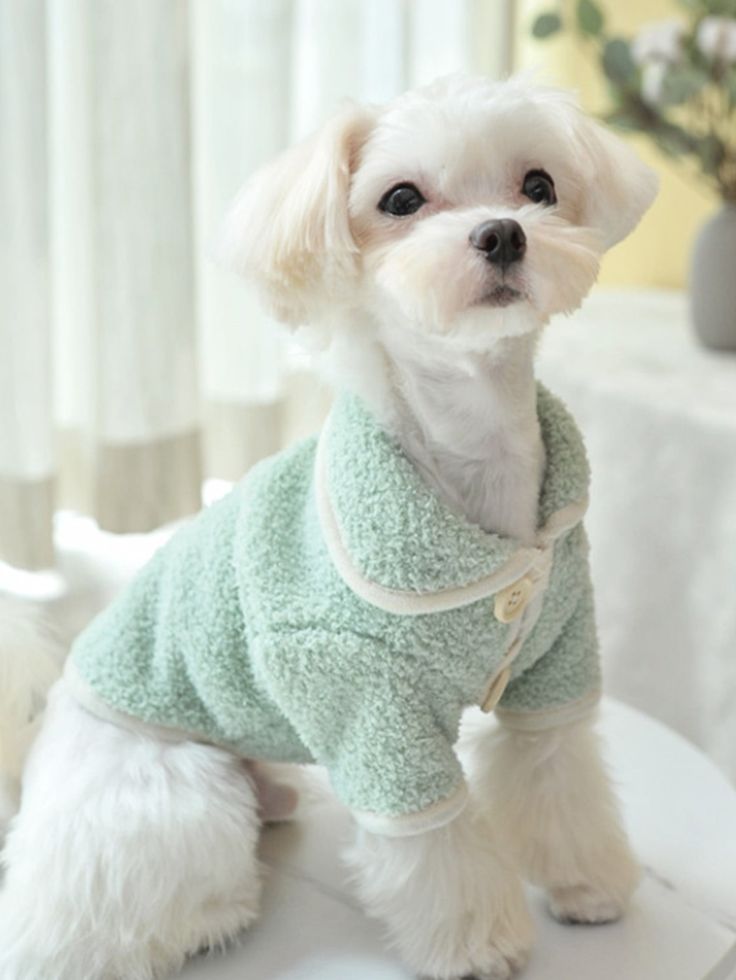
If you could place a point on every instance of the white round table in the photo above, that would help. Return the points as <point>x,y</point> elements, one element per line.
<point>681,815</point>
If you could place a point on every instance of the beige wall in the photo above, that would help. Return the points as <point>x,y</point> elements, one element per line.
<point>657,254</point>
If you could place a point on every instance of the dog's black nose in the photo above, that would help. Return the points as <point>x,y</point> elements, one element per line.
<point>503,240</point>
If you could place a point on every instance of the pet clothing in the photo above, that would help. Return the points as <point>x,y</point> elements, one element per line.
<point>333,609</point>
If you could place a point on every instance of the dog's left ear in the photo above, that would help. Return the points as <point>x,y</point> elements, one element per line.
<point>619,186</point>
<point>288,229</point>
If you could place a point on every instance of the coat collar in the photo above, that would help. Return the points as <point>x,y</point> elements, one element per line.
<point>395,543</point>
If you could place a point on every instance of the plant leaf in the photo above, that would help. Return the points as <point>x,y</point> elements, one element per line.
<point>627,120</point>
<point>723,8</point>
<point>672,139</point>
<point>545,25</point>
<point>730,83</point>
<point>618,65</point>
<point>711,152</point>
<point>590,18</point>
<point>681,84</point>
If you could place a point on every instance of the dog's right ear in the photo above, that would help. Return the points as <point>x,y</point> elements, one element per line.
<point>288,228</point>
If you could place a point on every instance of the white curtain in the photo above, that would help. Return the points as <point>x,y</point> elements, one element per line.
<point>26,492</point>
<point>131,367</point>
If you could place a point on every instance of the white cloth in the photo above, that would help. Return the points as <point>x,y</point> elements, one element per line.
<point>658,413</point>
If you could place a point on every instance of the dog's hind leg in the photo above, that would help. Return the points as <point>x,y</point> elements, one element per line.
<point>127,855</point>
<point>30,662</point>
<point>278,787</point>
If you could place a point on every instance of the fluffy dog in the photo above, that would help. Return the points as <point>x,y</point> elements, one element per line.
<point>420,247</point>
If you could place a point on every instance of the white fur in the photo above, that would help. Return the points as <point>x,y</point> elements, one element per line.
<point>548,797</point>
<point>30,660</point>
<point>128,854</point>
<point>452,902</point>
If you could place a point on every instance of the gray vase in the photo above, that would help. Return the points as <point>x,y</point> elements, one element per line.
<point>713,281</point>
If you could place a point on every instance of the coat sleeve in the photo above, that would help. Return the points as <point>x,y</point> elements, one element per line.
<point>563,686</point>
<point>367,714</point>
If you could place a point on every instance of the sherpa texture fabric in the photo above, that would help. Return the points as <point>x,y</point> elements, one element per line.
<point>243,631</point>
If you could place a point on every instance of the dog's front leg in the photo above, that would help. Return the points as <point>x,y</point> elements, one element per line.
<point>550,797</point>
<point>453,906</point>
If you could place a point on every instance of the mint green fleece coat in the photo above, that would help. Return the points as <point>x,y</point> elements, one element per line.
<point>333,609</point>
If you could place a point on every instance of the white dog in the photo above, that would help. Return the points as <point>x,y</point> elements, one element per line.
<point>425,243</point>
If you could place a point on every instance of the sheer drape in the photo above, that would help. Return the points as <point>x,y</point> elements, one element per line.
<point>131,367</point>
<point>26,468</point>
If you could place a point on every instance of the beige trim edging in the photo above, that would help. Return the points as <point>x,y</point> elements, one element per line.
<point>406,603</point>
<point>543,721</point>
<point>409,824</point>
<point>84,695</point>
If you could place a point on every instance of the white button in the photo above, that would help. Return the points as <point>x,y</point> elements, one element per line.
<point>511,602</point>
<point>495,691</point>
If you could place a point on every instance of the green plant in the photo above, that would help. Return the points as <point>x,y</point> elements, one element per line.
<point>675,80</point>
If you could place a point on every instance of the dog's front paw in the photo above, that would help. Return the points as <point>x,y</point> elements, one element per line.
<point>500,969</point>
<point>602,898</point>
<point>498,966</point>
<point>492,965</point>
<point>453,907</point>
<point>584,904</point>
<point>482,950</point>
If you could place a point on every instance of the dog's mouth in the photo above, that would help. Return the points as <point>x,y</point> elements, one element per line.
<point>501,296</point>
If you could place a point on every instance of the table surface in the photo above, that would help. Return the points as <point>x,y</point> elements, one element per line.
<point>681,815</point>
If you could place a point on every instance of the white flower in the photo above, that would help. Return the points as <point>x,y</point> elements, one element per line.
<point>716,38</point>
<point>661,41</point>
<point>652,82</point>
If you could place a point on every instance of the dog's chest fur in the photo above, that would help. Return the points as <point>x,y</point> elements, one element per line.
<point>472,430</point>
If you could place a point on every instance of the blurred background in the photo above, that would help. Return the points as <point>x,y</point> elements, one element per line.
<point>136,377</point>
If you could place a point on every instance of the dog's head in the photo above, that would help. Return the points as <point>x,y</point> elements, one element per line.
<point>468,210</point>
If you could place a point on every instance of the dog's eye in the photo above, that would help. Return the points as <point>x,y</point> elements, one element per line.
<point>539,187</point>
<point>400,200</point>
